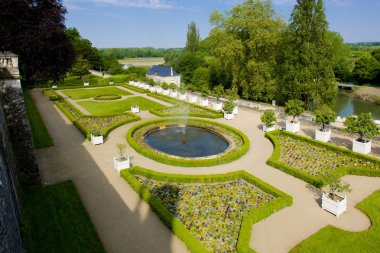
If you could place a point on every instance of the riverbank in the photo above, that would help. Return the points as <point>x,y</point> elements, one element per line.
<point>369,94</point>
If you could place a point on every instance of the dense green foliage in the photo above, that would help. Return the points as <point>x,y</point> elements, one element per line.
<point>281,201</point>
<point>311,160</point>
<point>268,118</point>
<point>135,138</point>
<point>193,38</point>
<point>325,116</point>
<point>40,134</point>
<point>55,220</point>
<point>121,53</point>
<point>332,239</point>
<point>362,125</point>
<point>90,93</point>
<point>294,108</point>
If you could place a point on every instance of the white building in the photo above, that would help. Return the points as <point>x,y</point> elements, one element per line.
<point>163,74</point>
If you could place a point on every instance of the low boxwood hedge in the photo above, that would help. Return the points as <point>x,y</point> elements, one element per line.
<point>211,114</point>
<point>313,180</point>
<point>230,156</point>
<point>86,132</point>
<point>281,201</point>
<point>52,94</point>
<point>134,88</point>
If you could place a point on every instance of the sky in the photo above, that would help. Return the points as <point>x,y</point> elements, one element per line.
<point>163,23</point>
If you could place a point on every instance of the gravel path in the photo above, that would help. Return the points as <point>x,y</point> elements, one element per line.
<point>125,223</point>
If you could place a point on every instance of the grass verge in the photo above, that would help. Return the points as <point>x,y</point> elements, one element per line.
<point>40,134</point>
<point>56,221</point>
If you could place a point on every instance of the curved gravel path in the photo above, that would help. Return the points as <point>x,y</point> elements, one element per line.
<point>125,223</point>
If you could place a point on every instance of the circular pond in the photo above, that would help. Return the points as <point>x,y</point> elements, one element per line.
<point>186,141</point>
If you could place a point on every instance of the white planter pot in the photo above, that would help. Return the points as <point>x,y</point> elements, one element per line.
<point>158,89</point>
<point>323,136</point>
<point>192,99</point>
<point>96,139</point>
<point>140,85</point>
<point>152,89</point>
<point>268,129</point>
<point>228,116</point>
<point>135,109</point>
<point>110,82</point>
<point>361,147</point>
<point>204,102</point>
<point>235,110</point>
<point>217,106</point>
<point>54,86</point>
<point>146,86</point>
<point>121,164</point>
<point>335,207</point>
<point>174,94</point>
<point>86,83</point>
<point>165,92</point>
<point>182,97</point>
<point>293,127</point>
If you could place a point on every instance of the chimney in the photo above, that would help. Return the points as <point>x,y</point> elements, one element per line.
<point>171,71</point>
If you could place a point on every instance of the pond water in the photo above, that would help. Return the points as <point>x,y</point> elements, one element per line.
<point>346,105</point>
<point>199,142</point>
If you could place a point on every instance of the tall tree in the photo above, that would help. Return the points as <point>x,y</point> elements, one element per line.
<point>306,59</point>
<point>193,38</point>
<point>245,41</point>
<point>35,30</point>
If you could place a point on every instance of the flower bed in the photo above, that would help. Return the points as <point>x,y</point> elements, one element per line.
<point>209,213</point>
<point>52,95</point>
<point>310,160</point>
<point>239,145</point>
<point>88,124</point>
<point>107,97</point>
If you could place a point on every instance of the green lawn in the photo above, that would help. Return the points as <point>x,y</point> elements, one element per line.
<point>331,239</point>
<point>55,221</point>
<point>89,93</point>
<point>40,135</point>
<point>119,106</point>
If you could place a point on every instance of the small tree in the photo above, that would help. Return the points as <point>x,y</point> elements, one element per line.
<point>182,88</point>
<point>294,107</point>
<point>121,147</point>
<point>228,107</point>
<point>173,86</point>
<point>325,116</point>
<point>86,78</point>
<point>165,86</point>
<point>204,93</point>
<point>232,94</point>
<point>268,118</point>
<point>362,125</point>
<point>218,91</point>
<point>336,185</point>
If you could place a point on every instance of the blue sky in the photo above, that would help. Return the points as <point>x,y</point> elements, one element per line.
<point>163,23</point>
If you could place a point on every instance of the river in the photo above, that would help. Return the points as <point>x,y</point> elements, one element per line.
<point>346,105</point>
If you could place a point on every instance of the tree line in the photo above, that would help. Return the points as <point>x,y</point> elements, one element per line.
<point>122,53</point>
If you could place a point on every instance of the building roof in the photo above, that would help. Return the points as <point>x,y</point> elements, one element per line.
<point>162,71</point>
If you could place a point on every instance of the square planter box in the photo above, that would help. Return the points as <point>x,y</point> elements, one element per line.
<point>204,102</point>
<point>121,163</point>
<point>152,89</point>
<point>146,86</point>
<point>293,127</point>
<point>268,129</point>
<point>182,97</point>
<point>361,147</point>
<point>54,86</point>
<point>235,111</point>
<point>217,106</point>
<point>96,139</point>
<point>158,89</point>
<point>336,207</point>
<point>165,92</point>
<point>228,116</point>
<point>110,82</point>
<point>140,85</point>
<point>192,99</point>
<point>323,136</point>
<point>86,83</point>
<point>135,109</point>
<point>174,94</point>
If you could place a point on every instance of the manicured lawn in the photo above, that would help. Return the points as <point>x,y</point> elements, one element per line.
<point>40,135</point>
<point>89,93</point>
<point>331,239</point>
<point>120,106</point>
<point>55,221</point>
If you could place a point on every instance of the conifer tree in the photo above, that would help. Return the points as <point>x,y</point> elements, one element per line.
<point>193,38</point>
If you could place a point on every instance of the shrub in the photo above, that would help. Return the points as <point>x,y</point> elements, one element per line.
<point>362,125</point>
<point>268,118</point>
<point>228,107</point>
<point>325,116</point>
<point>294,108</point>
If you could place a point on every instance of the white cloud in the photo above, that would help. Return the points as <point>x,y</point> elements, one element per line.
<point>148,4</point>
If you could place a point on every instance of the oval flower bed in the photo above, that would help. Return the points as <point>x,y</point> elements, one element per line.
<point>238,147</point>
<point>107,97</point>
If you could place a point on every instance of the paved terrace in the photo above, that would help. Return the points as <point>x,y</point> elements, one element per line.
<point>125,223</point>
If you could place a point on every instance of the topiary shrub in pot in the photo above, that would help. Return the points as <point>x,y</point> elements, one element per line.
<point>218,92</point>
<point>365,127</point>
<point>268,118</point>
<point>332,201</point>
<point>228,110</point>
<point>294,108</point>
<point>96,137</point>
<point>122,161</point>
<point>324,116</point>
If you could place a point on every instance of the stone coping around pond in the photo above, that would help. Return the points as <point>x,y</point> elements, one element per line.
<point>240,146</point>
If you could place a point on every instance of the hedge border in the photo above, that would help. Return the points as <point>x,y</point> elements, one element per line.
<point>137,89</point>
<point>214,115</point>
<point>282,200</point>
<point>167,159</point>
<point>58,97</point>
<point>313,180</point>
<point>86,133</point>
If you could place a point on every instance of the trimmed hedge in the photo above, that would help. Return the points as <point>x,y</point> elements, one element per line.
<point>317,182</point>
<point>282,200</point>
<point>213,114</point>
<point>188,162</point>
<point>134,88</point>
<point>82,128</point>
<point>52,94</point>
